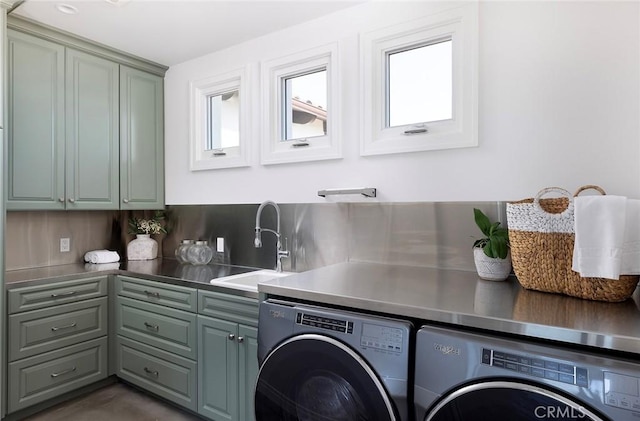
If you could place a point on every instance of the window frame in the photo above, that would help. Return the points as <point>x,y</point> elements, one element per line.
<point>200,92</point>
<point>461,26</point>
<point>275,72</point>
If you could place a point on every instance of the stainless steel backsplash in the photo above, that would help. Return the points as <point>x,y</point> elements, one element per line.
<point>433,234</point>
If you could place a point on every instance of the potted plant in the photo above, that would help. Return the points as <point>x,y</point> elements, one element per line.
<point>143,247</point>
<point>491,253</point>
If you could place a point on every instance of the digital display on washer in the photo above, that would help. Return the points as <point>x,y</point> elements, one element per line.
<point>381,337</point>
<point>537,367</point>
<point>322,322</point>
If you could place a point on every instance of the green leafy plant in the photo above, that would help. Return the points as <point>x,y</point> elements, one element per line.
<point>147,226</point>
<point>496,241</point>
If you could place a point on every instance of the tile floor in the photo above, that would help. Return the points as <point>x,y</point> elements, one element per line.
<point>115,402</point>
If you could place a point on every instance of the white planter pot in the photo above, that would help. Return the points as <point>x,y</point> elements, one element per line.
<point>142,248</point>
<point>491,269</point>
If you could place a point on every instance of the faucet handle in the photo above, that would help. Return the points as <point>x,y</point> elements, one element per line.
<point>283,252</point>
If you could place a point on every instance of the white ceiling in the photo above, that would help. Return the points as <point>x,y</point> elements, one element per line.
<point>173,31</point>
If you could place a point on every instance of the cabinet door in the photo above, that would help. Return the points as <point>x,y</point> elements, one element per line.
<point>248,370</point>
<point>141,140</point>
<point>92,139</point>
<point>36,123</point>
<point>217,369</point>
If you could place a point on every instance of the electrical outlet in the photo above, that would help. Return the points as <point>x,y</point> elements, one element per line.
<point>220,244</point>
<point>65,245</point>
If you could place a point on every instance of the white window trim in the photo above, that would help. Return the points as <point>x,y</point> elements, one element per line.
<point>459,24</point>
<point>274,71</point>
<point>201,159</point>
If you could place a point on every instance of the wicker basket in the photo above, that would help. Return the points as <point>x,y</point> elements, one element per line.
<point>541,236</point>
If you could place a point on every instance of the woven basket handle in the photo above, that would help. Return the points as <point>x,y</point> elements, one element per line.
<point>559,190</point>
<point>590,187</point>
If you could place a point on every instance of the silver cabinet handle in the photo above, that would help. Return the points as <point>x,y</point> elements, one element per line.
<point>125,200</point>
<point>231,336</point>
<point>152,327</point>
<point>72,200</point>
<point>64,294</point>
<point>151,372</point>
<point>61,199</point>
<point>240,339</point>
<point>69,326</point>
<point>63,372</point>
<point>152,294</point>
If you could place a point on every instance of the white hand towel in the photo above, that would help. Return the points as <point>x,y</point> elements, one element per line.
<point>599,235</point>
<point>101,256</point>
<point>93,267</point>
<point>631,245</point>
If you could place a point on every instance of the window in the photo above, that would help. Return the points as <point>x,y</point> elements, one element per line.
<point>219,112</point>
<point>305,105</point>
<point>301,107</point>
<point>419,84</point>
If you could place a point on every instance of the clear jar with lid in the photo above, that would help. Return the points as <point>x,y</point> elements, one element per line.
<point>200,253</point>
<point>182,249</point>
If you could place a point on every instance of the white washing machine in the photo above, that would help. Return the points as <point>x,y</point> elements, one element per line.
<point>463,376</point>
<point>325,364</point>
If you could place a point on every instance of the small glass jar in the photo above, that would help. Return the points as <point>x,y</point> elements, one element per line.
<point>200,253</point>
<point>182,249</point>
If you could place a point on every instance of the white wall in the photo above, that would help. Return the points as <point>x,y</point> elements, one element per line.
<point>559,105</point>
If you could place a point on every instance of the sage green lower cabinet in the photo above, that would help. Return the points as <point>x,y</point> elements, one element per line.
<point>45,376</point>
<point>156,344</point>
<point>57,339</point>
<point>163,373</point>
<point>227,356</point>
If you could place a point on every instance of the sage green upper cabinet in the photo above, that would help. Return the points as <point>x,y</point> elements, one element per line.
<point>35,123</point>
<point>92,132</point>
<point>141,140</point>
<point>85,125</point>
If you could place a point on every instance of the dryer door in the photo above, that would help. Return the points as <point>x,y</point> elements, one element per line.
<point>508,401</point>
<point>313,377</point>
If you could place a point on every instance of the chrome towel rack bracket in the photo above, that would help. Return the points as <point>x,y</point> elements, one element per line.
<point>365,191</point>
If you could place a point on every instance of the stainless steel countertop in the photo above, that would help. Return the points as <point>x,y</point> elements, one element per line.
<point>461,298</point>
<point>163,270</point>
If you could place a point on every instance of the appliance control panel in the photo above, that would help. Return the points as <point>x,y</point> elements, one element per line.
<point>381,337</point>
<point>622,391</point>
<point>537,367</point>
<point>322,322</point>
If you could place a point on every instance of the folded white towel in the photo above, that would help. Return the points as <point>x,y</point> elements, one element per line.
<point>599,235</point>
<point>95,267</point>
<point>101,256</point>
<point>631,244</point>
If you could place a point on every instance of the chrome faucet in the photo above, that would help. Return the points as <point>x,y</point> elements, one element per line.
<point>280,253</point>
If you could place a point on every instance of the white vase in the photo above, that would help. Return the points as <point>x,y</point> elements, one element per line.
<point>143,247</point>
<point>491,269</point>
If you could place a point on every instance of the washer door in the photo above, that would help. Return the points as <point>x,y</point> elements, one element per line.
<point>313,377</point>
<point>508,401</point>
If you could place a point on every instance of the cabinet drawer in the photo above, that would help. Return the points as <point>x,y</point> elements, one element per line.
<point>167,375</point>
<point>158,326</point>
<point>41,296</point>
<point>175,296</point>
<point>47,329</point>
<point>45,376</point>
<point>229,307</point>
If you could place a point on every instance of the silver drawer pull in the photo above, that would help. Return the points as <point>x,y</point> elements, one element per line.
<point>240,339</point>
<point>63,372</point>
<point>152,294</point>
<point>231,336</point>
<point>64,294</point>
<point>153,327</point>
<point>151,372</point>
<point>69,326</point>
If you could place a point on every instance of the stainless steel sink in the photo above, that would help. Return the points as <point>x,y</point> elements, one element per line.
<point>248,281</point>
